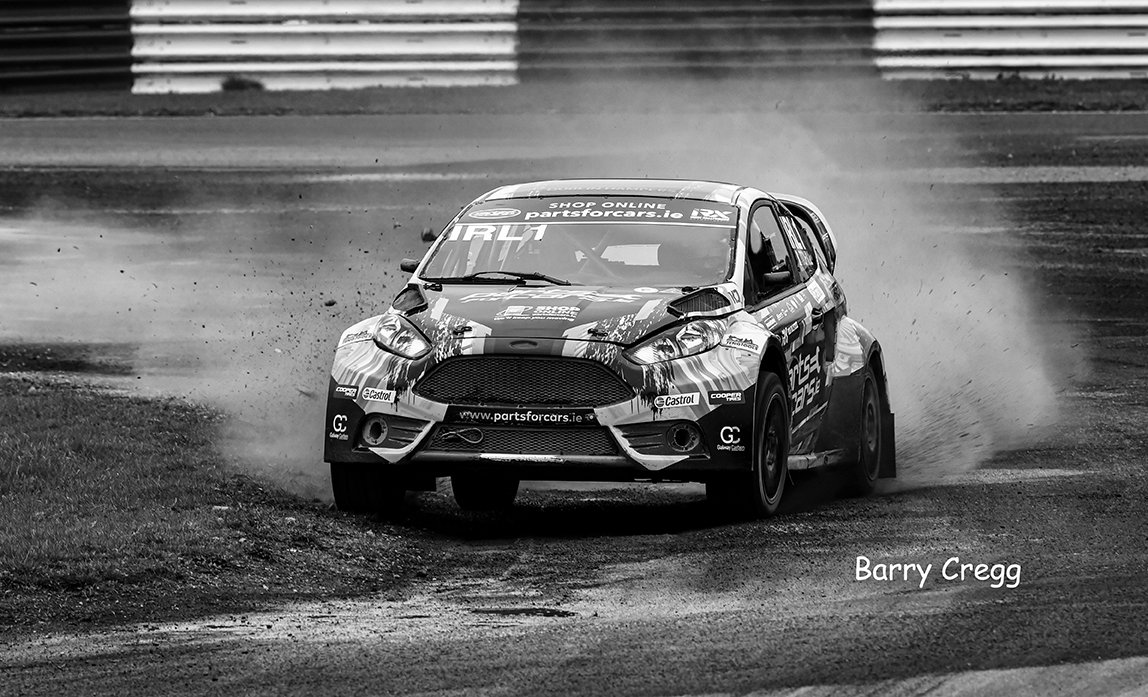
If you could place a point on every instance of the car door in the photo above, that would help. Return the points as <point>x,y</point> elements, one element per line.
<point>790,299</point>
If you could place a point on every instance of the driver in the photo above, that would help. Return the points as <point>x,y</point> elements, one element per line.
<point>704,260</point>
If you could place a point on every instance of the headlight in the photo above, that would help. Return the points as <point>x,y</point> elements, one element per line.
<point>395,334</point>
<point>678,342</point>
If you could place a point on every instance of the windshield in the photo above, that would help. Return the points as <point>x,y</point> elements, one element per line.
<point>600,241</point>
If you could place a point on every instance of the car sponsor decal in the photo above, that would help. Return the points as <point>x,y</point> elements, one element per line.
<point>347,391</point>
<point>744,343</point>
<point>339,428</point>
<point>607,209</point>
<point>805,381</point>
<point>730,439</point>
<point>355,337</point>
<point>507,232</point>
<point>521,417</point>
<point>562,313</point>
<point>686,399</point>
<point>551,294</point>
<point>725,398</point>
<point>495,213</point>
<point>372,394</point>
<point>516,457</point>
<point>816,290</point>
<point>709,215</point>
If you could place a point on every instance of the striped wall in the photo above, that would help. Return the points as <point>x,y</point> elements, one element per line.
<point>207,45</point>
<point>64,44</point>
<point>160,46</point>
<point>985,39</point>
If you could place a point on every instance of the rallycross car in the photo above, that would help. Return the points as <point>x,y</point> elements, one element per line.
<point>612,330</point>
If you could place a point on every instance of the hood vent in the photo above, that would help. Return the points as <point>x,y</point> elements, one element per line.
<point>704,300</point>
<point>410,300</point>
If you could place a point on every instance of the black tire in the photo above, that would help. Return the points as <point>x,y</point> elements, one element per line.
<point>477,492</point>
<point>361,488</point>
<point>758,493</point>
<point>864,473</point>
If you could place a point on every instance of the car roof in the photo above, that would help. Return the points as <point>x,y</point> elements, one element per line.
<point>719,192</point>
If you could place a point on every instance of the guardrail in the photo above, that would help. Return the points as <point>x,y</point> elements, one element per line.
<point>48,44</point>
<point>599,38</point>
<point>918,39</point>
<point>208,45</point>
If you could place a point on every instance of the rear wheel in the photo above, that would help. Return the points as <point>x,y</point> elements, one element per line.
<point>361,488</point>
<point>758,493</point>
<point>863,476</point>
<point>474,492</point>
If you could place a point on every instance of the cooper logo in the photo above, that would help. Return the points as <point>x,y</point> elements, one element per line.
<point>374,395</point>
<point>741,342</point>
<point>688,399</point>
<point>730,435</point>
<point>348,391</point>
<point>726,397</point>
<point>495,213</point>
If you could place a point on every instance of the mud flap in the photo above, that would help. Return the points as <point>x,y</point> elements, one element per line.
<point>421,482</point>
<point>888,447</point>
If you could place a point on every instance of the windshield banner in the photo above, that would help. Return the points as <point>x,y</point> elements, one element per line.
<point>595,208</point>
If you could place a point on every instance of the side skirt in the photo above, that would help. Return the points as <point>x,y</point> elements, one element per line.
<point>829,458</point>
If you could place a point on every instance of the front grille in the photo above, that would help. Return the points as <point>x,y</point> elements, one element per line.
<point>525,441</point>
<point>523,381</point>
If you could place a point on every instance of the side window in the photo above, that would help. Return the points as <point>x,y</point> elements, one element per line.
<point>815,232</point>
<point>809,237</point>
<point>800,244</point>
<point>767,253</point>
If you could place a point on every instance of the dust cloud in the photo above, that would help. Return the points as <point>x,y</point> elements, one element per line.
<point>937,274</point>
<point>247,324</point>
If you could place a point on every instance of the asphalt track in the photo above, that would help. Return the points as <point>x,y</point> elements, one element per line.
<point>205,228</point>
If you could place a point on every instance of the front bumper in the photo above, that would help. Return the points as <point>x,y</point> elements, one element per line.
<point>621,441</point>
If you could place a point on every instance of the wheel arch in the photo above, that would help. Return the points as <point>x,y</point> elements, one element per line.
<point>773,361</point>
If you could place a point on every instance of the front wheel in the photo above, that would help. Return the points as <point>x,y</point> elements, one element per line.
<point>758,493</point>
<point>483,492</point>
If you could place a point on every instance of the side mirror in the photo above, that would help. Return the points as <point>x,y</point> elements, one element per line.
<point>408,265</point>
<point>428,235</point>
<point>773,278</point>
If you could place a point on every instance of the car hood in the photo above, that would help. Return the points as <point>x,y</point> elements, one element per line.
<point>593,313</point>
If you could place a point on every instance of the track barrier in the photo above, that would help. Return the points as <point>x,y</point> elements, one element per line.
<point>208,45</point>
<point>600,38</point>
<point>161,46</point>
<point>928,39</point>
<point>54,44</point>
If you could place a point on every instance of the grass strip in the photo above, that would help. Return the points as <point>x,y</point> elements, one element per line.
<point>117,508</point>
